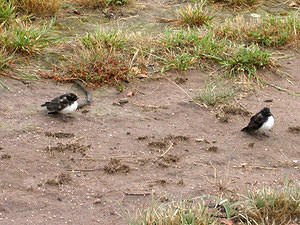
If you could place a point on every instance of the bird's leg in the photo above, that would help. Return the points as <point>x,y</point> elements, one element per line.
<point>264,134</point>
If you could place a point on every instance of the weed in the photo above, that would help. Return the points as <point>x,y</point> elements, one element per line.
<point>239,2</point>
<point>271,206</point>
<point>267,206</point>
<point>275,31</point>
<point>181,62</point>
<point>179,39</point>
<point>194,15</point>
<point>4,59</point>
<point>7,12</point>
<point>23,37</point>
<point>38,7</point>
<point>100,3</point>
<point>177,213</point>
<point>272,31</point>
<point>247,60</point>
<point>109,40</point>
<point>216,92</point>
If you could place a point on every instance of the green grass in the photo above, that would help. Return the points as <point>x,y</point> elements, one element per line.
<point>7,12</point>
<point>273,206</point>
<point>38,7</point>
<point>264,207</point>
<point>100,3</point>
<point>4,59</point>
<point>100,39</point>
<point>238,2</point>
<point>177,213</point>
<point>179,62</point>
<point>24,38</point>
<point>101,58</point>
<point>215,93</point>
<point>271,31</point>
<point>275,31</point>
<point>195,15</point>
<point>247,60</point>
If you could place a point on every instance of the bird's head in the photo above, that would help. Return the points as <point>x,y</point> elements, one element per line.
<point>266,111</point>
<point>72,97</point>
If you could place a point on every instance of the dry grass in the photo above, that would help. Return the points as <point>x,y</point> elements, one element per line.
<point>99,3</point>
<point>38,7</point>
<point>194,15</point>
<point>267,206</point>
<point>271,206</point>
<point>271,31</point>
<point>239,3</point>
<point>22,37</point>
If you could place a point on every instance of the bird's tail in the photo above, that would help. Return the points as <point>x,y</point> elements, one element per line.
<point>45,104</point>
<point>245,129</point>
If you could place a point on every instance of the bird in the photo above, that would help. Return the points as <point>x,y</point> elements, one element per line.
<point>260,122</point>
<point>64,104</point>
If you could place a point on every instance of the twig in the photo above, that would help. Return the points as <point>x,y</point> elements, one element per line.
<point>149,106</point>
<point>255,167</point>
<point>142,194</point>
<point>281,89</point>
<point>84,170</point>
<point>171,145</point>
<point>5,86</point>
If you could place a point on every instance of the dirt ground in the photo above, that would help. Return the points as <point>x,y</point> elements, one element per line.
<point>111,158</point>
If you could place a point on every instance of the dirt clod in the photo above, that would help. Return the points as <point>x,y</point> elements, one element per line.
<point>157,144</point>
<point>73,147</point>
<point>295,130</point>
<point>251,145</point>
<point>142,138</point>
<point>115,166</point>
<point>59,135</point>
<point>235,110</point>
<point>213,149</point>
<point>180,80</point>
<point>5,156</point>
<point>63,178</point>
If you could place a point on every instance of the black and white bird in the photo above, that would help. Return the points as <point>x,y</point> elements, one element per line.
<point>63,104</point>
<point>260,122</point>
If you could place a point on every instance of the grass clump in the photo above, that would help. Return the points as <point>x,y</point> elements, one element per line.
<point>247,61</point>
<point>275,31</point>
<point>237,3</point>
<point>181,62</point>
<point>25,38</point>
<point>194,15</point>
<point>7,12</point>
<point>216,92</point>
<point>267,206</point>
<point>177,213</point>
<point>272,31</point>
<point>100,58</point>
<point>4,59</point>
<point>38,7</point>
<point>270,206</point>
<point>100,3</point>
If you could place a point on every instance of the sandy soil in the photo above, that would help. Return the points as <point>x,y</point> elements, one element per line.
<point>112,156</point>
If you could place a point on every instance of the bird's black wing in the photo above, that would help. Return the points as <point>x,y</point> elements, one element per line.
<point>256,122</point>
<point>57,104</point>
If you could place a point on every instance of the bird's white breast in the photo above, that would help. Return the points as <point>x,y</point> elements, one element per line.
<point>268,124</point>
<point>70,108</point>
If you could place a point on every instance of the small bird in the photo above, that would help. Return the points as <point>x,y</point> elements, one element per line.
<point>63,104</point>
<point>260,122</point>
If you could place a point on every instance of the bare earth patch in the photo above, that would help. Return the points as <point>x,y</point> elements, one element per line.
<point>81,171</point>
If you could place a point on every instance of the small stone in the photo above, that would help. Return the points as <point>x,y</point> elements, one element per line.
<point>213,149</point>
<point>97,201</point>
